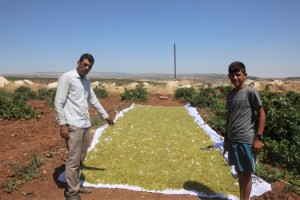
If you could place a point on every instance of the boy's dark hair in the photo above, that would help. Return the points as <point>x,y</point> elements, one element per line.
<point>236,67</point>
<point>87,56</point>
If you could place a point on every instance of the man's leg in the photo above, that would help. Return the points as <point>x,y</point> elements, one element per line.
<point>85,146</point>
<point>73,161</point>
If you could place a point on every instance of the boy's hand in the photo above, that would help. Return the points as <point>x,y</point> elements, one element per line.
<point>257,145</point>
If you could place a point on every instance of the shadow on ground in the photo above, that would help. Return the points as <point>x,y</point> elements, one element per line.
<point>56,173</point>
<point>200,188</point>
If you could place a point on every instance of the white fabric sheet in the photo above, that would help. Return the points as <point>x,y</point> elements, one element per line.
<point>259,186</point>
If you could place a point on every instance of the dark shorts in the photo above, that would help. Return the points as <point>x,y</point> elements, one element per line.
<point>242,156</point>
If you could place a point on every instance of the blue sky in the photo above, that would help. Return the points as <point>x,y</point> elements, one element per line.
<point>137,36</point>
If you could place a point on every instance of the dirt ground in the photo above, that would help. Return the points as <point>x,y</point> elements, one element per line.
<point>20,139</point>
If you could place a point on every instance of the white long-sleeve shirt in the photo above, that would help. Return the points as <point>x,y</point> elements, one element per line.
<point>71,101</point>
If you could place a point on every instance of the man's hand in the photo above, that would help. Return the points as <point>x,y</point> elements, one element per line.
<point>257,145</point>
<point>109,121</point>
<point>64,131</point>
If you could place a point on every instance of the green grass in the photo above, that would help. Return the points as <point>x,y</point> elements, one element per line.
<point>159,148</point>
<point>23,173</point>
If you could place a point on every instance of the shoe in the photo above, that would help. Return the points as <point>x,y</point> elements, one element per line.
<point>84,190</point>
<point>76,197</point>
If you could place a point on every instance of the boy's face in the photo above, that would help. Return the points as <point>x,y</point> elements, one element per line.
<point>237,78</point>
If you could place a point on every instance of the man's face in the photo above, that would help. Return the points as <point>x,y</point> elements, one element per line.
<point>237,78</point>
<point>84,67</point>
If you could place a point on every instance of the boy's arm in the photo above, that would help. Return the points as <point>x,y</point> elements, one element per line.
<point>225,145</point>
<point>257,143</point>
<point>262,120</point>
<point>226,125</point>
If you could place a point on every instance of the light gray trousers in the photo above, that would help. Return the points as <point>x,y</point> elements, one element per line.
<point>77,145</point>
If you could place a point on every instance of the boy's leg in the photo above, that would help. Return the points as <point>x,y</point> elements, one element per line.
<point>240,181</point>
<point>242,157</point>
<point>245,183</point>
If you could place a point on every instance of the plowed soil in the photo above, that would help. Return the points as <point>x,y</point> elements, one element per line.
<point>21,139</point>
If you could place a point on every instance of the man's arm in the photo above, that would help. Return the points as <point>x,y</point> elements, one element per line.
<point>61,98</point>
<point>96,104</point>
<point>59,103</point>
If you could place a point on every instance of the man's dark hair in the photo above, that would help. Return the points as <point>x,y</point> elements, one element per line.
<point>87,56</point>
<point>236,67</point>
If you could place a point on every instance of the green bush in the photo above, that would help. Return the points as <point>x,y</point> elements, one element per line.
<point>138,94</point>
<point>224,90</point>
<point>217,119</point>
<point>4,93</point>
<point>100,93</point>
<point>23,94</point>
<point>282,130</point>
<point>48,95</point>
<point>206,98</point>
<point>14,106</point>
<point>44,93</point>
<point>15,110</point>
<point>184,94</point>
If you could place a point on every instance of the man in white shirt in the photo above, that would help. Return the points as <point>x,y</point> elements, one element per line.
<point>72,114</point>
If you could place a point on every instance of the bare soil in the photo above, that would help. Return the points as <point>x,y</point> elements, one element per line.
<point>21,139</point>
